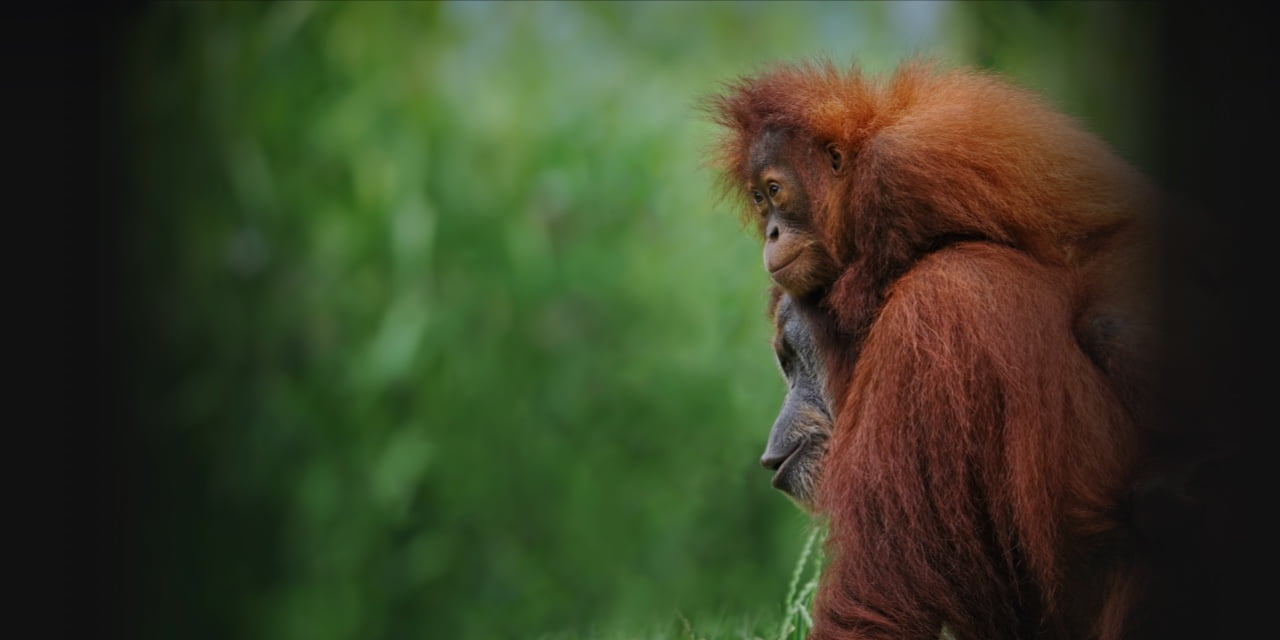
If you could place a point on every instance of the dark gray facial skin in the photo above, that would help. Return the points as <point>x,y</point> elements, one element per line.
<point>799,435</point>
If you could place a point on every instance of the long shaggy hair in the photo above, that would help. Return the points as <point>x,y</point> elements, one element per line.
<point>986,339</point>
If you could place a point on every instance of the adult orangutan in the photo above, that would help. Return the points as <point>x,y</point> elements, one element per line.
<point>797,440</point>
<point>974,269</point>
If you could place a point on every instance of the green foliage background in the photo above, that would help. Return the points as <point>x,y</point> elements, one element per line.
<point>436,328</point>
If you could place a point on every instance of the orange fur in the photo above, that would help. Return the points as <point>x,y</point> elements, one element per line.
<point>942,154</point>
<point>988,341</point>
<point>975,469</point>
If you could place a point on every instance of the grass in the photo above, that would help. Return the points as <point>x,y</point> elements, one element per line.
<point>796,621</point>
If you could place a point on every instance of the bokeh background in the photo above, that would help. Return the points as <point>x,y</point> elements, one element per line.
<point>431,324</point>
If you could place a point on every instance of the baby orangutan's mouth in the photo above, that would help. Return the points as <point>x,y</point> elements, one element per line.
<point>774,269</point>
